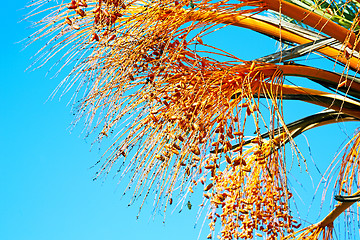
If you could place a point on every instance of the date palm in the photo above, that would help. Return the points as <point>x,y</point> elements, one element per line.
<point>179,106</point>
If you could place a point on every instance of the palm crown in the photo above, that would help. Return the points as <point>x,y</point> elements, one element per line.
<point>144,71</point>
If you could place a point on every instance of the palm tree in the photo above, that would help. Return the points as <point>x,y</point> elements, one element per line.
<point>179,106</point>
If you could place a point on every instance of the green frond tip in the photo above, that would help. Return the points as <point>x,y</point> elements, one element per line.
<point>351,198</point>
<point>343,13</point>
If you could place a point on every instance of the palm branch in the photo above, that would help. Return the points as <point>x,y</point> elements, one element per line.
<point>179,112</point>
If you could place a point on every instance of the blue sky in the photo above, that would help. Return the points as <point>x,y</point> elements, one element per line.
<point>47,192</point>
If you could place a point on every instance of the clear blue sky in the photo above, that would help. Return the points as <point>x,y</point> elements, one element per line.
<point>46,187</point>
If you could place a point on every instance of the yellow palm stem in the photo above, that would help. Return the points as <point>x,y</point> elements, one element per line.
<point>323,76</point>
<point>314,20</point>
<point>271,30</point>
<point>316,73</point>
<point>320,98</point>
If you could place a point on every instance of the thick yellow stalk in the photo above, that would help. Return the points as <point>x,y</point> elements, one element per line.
<point>310,72</point>
<point>333,101</point>
<point>316,73</point>
<point>314,20</point>
<point>271,30</point>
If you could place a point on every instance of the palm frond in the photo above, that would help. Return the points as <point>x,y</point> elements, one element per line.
<point>293,129</point>
<point>350,198</point>
<point>296,52</point>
